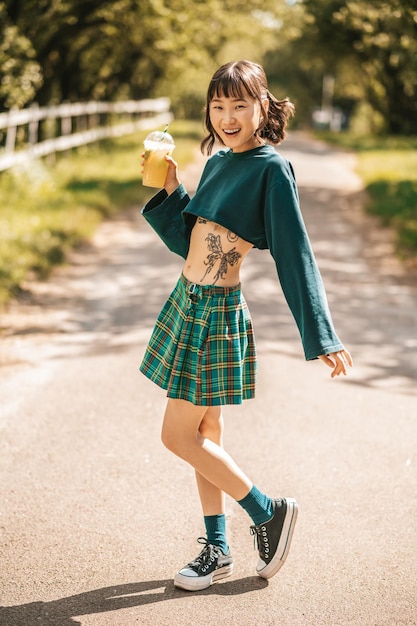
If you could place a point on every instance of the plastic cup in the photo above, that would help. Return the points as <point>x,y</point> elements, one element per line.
<point>157,144</point>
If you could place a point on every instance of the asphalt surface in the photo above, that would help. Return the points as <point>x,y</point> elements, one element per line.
<point>96,516</point>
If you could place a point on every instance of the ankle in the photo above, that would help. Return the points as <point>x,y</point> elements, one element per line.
<point>258,506</point>
<point>216,531</point>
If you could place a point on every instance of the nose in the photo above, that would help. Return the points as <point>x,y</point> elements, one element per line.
<point>229,116</point>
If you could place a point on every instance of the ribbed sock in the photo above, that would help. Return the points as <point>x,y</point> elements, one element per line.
<point>258,506</point>
<point>216,531</point>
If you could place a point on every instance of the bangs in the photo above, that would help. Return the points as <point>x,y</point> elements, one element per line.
<point>237,79</point>
<point>232,84</point>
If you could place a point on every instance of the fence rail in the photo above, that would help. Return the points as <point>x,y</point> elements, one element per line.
<point>40,131</point>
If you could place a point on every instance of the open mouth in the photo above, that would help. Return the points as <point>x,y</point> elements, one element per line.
<point>231,132</point>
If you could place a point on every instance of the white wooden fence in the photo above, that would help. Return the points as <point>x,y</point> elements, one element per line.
<point>39,131</point>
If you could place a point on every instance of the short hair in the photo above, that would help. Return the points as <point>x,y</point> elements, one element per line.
<point>237,79</point>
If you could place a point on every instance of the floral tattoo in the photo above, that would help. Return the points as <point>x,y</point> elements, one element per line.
<point>216,254</point>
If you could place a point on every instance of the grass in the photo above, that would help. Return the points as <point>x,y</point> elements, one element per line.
<point>46,210</point>
<point>388,167</point>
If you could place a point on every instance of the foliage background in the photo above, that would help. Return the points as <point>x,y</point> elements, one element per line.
<point>53,51</point>
<point>72,50</point>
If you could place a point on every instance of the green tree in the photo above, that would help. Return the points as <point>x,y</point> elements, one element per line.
<point>379,40</point>
<point>111,49</point>
<point>20,74</point>
<point>61,32</point>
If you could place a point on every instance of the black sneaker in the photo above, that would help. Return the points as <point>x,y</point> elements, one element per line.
<point>274,537</point>
<point>210,565</point>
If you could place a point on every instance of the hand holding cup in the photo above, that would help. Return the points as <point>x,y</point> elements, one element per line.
<point>158,145</point>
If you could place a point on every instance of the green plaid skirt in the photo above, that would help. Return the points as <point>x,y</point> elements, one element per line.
<point>202,348</point>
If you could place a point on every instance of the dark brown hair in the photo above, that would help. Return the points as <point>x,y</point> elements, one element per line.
<point>235,80</point>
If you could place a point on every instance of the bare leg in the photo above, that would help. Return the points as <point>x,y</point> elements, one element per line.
<point>212,499</point>
<point>186,431</point>
<point>181,434</point>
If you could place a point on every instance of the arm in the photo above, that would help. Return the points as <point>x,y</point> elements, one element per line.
<point>299,275</point>
<point>163,212</point>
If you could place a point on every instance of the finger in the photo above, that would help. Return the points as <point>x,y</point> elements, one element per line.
<point>342,359</point>
<point>170,160</point>
<point>334,361</point>
<point>348,357</point>
<point>345,358</point>
<point>326,360</point>
<point>339,368</point>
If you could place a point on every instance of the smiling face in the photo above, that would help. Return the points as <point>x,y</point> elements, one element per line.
<point>235,121</point>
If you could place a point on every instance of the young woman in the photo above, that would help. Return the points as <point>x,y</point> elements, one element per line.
<point>202,349</point>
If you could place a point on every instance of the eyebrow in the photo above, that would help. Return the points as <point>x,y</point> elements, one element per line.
<point>233,99</point>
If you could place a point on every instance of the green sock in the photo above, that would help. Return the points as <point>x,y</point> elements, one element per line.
<point>258,506</point>
<point>216,531</point>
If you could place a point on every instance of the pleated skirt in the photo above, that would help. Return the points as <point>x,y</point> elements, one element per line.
<point>202,348</point>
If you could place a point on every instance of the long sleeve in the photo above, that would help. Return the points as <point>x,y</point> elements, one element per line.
<point>297,269</point>
<point>163,213</point>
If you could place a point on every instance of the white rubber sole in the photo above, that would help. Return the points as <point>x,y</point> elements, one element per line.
<point>267,571</point>
<point>197,583</point>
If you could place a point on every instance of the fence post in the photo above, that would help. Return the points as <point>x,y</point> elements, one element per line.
<point>34,125</point>
<point>66,123</point>
<point>11,133</point>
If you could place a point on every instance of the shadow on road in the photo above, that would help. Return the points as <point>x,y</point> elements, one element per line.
<point>64,612</point>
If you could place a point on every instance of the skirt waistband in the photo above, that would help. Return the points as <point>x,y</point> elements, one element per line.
<point>199,291</point>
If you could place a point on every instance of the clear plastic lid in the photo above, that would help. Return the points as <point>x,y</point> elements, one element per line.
<point>159,140</point>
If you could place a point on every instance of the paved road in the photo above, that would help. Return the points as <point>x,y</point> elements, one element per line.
<point>96,516</point>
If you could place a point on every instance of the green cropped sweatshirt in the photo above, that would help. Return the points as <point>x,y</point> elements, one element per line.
<point>254,194</point>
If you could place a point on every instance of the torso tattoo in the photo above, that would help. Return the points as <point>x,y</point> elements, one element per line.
<point>217,254</point>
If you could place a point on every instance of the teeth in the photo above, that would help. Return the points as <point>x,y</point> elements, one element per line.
<point>231,132</point>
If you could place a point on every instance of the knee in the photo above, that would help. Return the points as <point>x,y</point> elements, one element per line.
<point>168,439</point>
<point>175,441</point>
<point>180,432</point>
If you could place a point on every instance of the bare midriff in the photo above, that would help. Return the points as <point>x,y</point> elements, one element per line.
<point>215,255</point>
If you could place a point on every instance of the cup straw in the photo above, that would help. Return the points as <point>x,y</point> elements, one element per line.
<point>164,132</point>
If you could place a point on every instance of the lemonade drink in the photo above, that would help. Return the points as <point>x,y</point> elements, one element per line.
<point>157,146</point>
